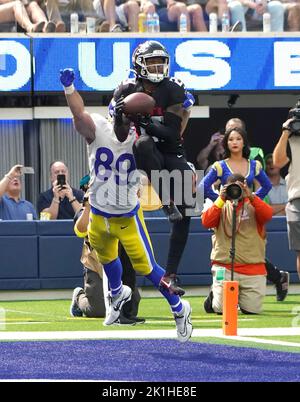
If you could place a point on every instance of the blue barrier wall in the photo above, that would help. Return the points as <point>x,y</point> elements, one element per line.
<point>202,61</point>
<point>45,255</point>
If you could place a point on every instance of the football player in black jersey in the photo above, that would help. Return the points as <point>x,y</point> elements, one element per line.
<point>159,145</point>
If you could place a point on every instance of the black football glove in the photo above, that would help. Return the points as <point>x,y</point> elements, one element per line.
<point>143,120</point>
<point>118,112</point>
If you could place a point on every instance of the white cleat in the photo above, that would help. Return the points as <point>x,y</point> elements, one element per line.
<point>116,305</point>
<point>183,322</point>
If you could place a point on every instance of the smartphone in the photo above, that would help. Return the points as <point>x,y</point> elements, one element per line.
<point>27,170</point>
<point>61,180</point>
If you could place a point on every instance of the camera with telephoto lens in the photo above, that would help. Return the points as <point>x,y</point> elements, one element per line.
<point>234,192</point>
<point>294,114</point>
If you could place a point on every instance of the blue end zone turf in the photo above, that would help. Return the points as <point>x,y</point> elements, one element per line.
<point>144,360</point>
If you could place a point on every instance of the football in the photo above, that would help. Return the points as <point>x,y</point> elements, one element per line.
<point>138,103</point>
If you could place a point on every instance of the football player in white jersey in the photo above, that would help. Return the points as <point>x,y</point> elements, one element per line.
<point>115,212</point>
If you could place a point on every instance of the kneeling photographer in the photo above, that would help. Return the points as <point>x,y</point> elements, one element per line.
<point>287,151</point>
<point>250,245</point>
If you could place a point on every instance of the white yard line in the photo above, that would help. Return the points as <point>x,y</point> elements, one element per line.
<point>25,322</point>
<point>265,341</point>
<point>39,314</point>
<point>145,334</point>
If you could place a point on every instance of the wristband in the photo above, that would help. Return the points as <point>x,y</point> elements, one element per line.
<point>285,129</point>
<point>73,199</point>
<point>219,202</point>
<point>69,90</point>
<point>57,201</point>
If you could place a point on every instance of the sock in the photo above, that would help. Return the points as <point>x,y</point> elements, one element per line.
<point>174,300</point>
<point>113,272</point>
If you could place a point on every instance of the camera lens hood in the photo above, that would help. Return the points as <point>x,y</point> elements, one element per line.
<point>234,191</point>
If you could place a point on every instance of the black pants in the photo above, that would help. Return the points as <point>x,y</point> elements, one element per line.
<point>273,273</point>
<point>148,158</point>
<point>91,302</point>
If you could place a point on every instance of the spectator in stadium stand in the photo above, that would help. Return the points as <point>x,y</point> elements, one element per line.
<point>250,247</point>
<point>214,6</point>
<point>218,7</point>
<point>212,152</point>
<point>292,15</point>
<point>60,201</point>
<point>12,206</point>
<point>277,196</point>
<point>29,16</point>
<point>250,14</point>
<point>128,14</point>
<point>106,13</point>
<point>169,12</point>
<point>279,278</point>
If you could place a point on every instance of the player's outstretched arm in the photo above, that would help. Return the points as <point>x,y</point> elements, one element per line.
<point>84,124</point>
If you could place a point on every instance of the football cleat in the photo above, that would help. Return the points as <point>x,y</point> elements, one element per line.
<point>74,308</point>
<point>183,322</point>
<point>170,283</point>
<point>116,305</point>
<point>282,287</point>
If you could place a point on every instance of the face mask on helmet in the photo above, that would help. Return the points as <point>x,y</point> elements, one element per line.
<point>154,71</point>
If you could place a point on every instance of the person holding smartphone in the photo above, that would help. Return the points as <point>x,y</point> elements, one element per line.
<point>61,201</point>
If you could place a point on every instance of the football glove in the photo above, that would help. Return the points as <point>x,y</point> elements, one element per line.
<point>143,120</point>
<point>67,77</point>
<point>118,110</point>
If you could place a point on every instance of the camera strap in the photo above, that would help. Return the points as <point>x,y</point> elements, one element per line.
<point>239,212</point>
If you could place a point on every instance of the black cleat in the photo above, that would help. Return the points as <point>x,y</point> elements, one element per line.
<point>208,303</point>
<point>172,213</point>
<point>282,287</point>
<point>137,320</point>
<point>170,282</point>
<point>122,320</point>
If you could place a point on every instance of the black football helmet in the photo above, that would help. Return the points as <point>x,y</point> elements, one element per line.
<point>148,50</point>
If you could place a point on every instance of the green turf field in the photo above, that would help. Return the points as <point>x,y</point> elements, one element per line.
<point>53,315</point>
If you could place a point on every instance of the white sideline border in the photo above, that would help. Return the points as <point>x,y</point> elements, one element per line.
<point>243,334</point>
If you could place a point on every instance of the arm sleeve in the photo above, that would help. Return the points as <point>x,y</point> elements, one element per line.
<point>263,180</point>
<point>263,211</point>
<point>206,183</point>
<point>169,130</point>
<point>211,217</point>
